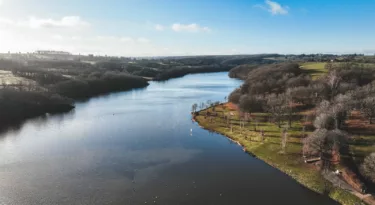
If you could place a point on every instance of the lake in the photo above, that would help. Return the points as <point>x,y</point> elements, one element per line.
<point>137,147</point>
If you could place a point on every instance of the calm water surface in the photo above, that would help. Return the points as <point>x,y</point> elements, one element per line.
<point>136,147</point>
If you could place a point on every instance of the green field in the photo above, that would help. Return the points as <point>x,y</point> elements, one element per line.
<point>315,69</point>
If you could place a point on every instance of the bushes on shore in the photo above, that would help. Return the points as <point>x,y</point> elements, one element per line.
<point>97,83</point>
<point>17,105</point>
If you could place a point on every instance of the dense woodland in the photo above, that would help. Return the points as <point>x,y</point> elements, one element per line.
<point>285,90</point>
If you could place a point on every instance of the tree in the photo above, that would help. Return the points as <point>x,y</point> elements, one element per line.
<point>209,102</point>
<point>368,108</point>
<point>284,140</point>
<point>325,143</point>
<point>332,115</point>
<point>276,107</point>
<point>333,81</point>
<point>329,66</point>
<point>340,108</point>
<point>289,109</point>
<point>250,104</point>
<point>234,97</point>
<point>194,107</point>
<point>368,167</point>
<point>313,145</point>
<point>324,121</point>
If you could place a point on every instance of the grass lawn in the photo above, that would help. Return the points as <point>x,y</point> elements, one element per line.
<point>269,151</point>
<point>315,69</point>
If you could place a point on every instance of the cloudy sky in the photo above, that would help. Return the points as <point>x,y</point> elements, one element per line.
<point>188,27</point>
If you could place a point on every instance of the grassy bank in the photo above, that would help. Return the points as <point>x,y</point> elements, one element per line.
<point>269,150</point>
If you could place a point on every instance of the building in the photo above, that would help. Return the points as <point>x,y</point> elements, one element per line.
<point>47,52</point>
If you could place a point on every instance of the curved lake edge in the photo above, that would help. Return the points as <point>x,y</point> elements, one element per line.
<point>103,138</point>
<point>65,108</point>
<point>340,195</point>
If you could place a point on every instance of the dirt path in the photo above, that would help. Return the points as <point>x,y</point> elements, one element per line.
<point>338,182</point>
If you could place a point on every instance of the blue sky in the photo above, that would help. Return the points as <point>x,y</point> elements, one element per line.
<point>188,27</point>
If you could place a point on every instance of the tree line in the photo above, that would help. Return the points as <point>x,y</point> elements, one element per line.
<point>52,86</point>
<point>284,89</point>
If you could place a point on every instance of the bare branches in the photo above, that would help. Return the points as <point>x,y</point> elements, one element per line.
<point>284,140</point>
<point>194,107</point>
<point>368,108</point>
<point>333,81</point>
<point>368,167</point>
<point>276,106</point>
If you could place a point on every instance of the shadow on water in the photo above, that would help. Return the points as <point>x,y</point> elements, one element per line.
<point>106,95</point>
<point>16,126</point>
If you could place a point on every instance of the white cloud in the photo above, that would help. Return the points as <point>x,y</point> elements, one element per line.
<point>5,21</point>
<point>67,21</point>
<point>33,22</point>
<point>275,8</point>
<point>1,2</point>
<point>126,39</point>
<point>159,27</point>
<point>189,28</point>
<point>76,38</point>
<point>57,37</point>
<point>143,40</point>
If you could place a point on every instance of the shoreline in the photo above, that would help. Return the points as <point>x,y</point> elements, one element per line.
<point>256,150</point>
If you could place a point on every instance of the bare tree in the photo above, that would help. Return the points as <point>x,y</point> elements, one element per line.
<point>332,116</point>
<point>325,143</point>
<point>323,107</point>
<point>313,145</point>
<point>329,66</point>
<point>340,108</point>
<point>368,167</point>
<point>202,105</point>
<point>276,107</point>
<point>303,131</point>
<point>194,107</point>
<point>209,102</point>
<point>289,110</point>
<point>333,81</point>
<point>368,108</point>
<point>284,140</point>
<point>324,121</point>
